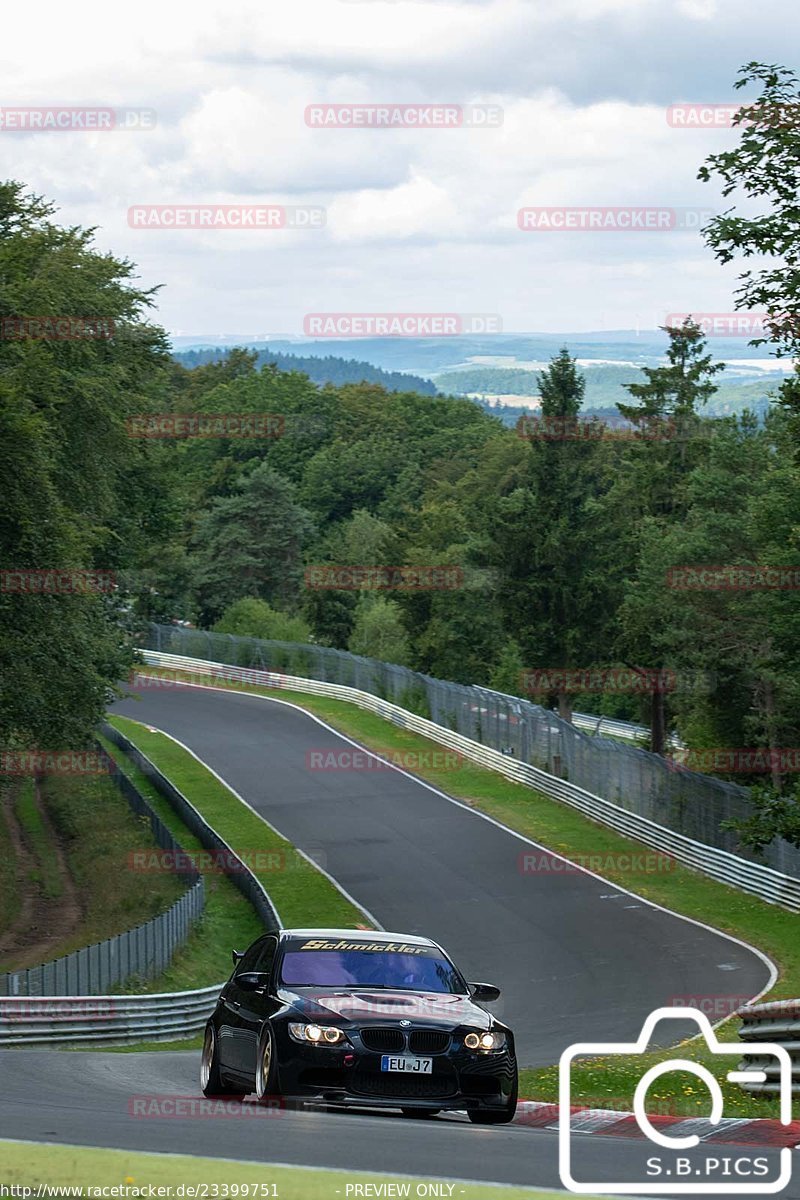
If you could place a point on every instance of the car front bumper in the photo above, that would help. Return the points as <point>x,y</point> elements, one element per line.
<point>351,1075</point>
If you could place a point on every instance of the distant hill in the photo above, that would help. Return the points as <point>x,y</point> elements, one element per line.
<point>604,388</point>
<point>319,370</point>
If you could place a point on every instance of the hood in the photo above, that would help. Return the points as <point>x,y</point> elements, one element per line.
<point>381,1007</point>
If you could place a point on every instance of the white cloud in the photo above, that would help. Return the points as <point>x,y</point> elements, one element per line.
<point>418,208</point>
<point>415,218</point>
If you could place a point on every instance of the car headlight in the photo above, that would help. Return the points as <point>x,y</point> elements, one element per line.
<point>317,1035</point>
<point>485,1041</point>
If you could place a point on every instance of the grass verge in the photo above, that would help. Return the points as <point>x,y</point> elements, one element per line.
<point>228,921</point>
<point>773,930</point>
<point>28,1164</point>
<point>96,833</point>
<point>301,893</point>
<point>190,1043</point>
<point>99,832</point>
<point>45,874</point>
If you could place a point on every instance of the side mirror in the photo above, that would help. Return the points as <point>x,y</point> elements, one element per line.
<point>484,991</point>
<point>251,981</point>
<point>237,956</point>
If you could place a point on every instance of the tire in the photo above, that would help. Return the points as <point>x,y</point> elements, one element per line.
<point>266,1090</point>
<point>496,1116</point>
<point>211,1080</point>
<point>420,1112</point>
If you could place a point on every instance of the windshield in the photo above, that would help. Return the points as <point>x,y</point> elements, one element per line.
<point>364,968</point>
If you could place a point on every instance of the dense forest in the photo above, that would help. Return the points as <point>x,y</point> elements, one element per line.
<point>329,369</point>
<point>566,544</point>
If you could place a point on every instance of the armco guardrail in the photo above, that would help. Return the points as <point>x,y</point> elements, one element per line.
<point>240,875</point>
<point>700,807</point>
<point>622,729</point>
<point>50,1020</point>
<point>598,725</point>
<point>140,953</point>
<point>752,877</point>
<point>777,1021</point>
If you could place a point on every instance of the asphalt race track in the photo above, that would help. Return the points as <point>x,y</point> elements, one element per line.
<point>90,1099</point>
<point>577,959</point>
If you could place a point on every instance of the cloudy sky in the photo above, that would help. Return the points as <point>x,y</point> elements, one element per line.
<point>416,219</point>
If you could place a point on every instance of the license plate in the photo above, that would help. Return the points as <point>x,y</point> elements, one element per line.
<point>408,1063</point>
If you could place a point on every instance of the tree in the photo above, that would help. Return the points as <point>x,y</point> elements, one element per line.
<point>765,166</point>
<point>378,631</point>
<point>250,544</point>
<point>78,494</point>
<point>237,363</point>
<point>650,486</point>
<point>771,815</point>
<point>255,618</point>
<point>741,508</point>
<point>672,395</point>
<point>553,589</point>
<point>507,675</point>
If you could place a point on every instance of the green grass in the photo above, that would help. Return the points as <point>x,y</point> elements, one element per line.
<point>45,874</point>
<point>610,1083</point>
<point>192,1043</point>
<point>228,921</point>
<point>97,832</point>
<point>9,891</point>
<point>301,893</point>
<point>773,930</point>
<point>27,1164</point>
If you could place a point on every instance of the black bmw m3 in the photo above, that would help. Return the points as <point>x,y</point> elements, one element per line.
<point>363,1019</point>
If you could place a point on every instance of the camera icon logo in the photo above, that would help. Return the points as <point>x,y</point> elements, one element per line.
<point>697,1177</point>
